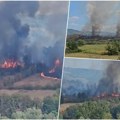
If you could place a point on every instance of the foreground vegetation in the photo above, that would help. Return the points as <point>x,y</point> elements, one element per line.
<point>93,49</point>
<point>23,107</point>
<point>99,109</point>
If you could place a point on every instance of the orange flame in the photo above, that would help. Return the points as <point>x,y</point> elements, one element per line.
<point>45,77</point>
<point>10,64</point>
<point>52,70</point>
<point>42,74</point>
<point>103,95</point>
<point>56,64</point>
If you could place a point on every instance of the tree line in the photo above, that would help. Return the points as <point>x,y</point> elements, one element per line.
<point>100,109</point>
<point>23,107</point>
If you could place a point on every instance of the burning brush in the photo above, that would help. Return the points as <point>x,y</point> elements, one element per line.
<point>54,72</point>
<point>57,64</point>
<point>9,63</point>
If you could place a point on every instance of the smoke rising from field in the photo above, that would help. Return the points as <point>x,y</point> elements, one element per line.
<point>110,83</point>
<point>32,28</point>
<point>99,13</point>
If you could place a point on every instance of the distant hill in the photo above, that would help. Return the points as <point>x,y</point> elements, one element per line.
<point>72,32</point>
<point>78,79</point>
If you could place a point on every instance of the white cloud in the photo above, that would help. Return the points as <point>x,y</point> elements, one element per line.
<point>74,18</point>
<point>52,7</point>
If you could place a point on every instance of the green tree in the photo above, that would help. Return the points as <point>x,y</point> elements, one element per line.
<point>81,42</point>
<point>113,47</point>
<point>50,104</point>
<point>107,116</point>
<point>30,113</point>
<point>118,115</point>
<point>51,115</point>
<point>18,115</point>
<point>3,117</point>
<point>72,46</point>
<point>115,111</point>
<point>71,113</point>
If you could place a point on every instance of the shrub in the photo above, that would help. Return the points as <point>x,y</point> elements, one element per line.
<point>113,48</point>
<point>50,104</point>
<point>30,113</point>
<point>81,42</point>
<point>72,46</point>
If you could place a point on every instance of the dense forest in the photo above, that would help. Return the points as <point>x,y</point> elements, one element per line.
<point>94,109</point>
<point>23,107</point>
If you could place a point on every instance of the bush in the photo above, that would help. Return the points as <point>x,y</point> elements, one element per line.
<point>81,42</point>
<point>113,48</point>
<point>71,113</point>
<point>72,46</point>
<point>10,104</point>
<point>50,104</point>
<point>30,113</point>
<point>88,110</point>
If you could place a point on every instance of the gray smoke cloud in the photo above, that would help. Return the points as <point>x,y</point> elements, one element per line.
<point>111,81</point>
<point>99,12</point>
<point>12,32</point>
<point>33,28</point>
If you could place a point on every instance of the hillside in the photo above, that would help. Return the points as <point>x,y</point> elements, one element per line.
<point>72,32</point>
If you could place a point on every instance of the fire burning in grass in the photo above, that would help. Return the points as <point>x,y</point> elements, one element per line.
<point>105,95</point>
<point>57,64</point>
<point>44,70</point>
<point>46,77</point>
<point>9,63</point>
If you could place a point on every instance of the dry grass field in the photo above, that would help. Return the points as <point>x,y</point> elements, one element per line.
<point>41,94</point>
<point>37,80</point>
<point>33,86</point>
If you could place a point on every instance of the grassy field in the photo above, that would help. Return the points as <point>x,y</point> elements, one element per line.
<point>37,80</point>
<point>93,51</point>
<point>31,82</point>
<point>41,94</point>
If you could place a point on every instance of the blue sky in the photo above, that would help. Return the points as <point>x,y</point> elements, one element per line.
<point>78,16</point>
<point>86,63</point>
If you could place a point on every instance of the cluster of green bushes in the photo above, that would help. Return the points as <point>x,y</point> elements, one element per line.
<point>113,47</point>
<point>100,109</point>
<point>23,107</point>
<point>72,46</point>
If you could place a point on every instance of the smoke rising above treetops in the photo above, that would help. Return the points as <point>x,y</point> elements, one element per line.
<point>33,28</point>
<point>100,14</point>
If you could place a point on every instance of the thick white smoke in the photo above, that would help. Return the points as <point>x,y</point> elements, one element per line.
<point>33,28</point>
<point>99,13</point>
